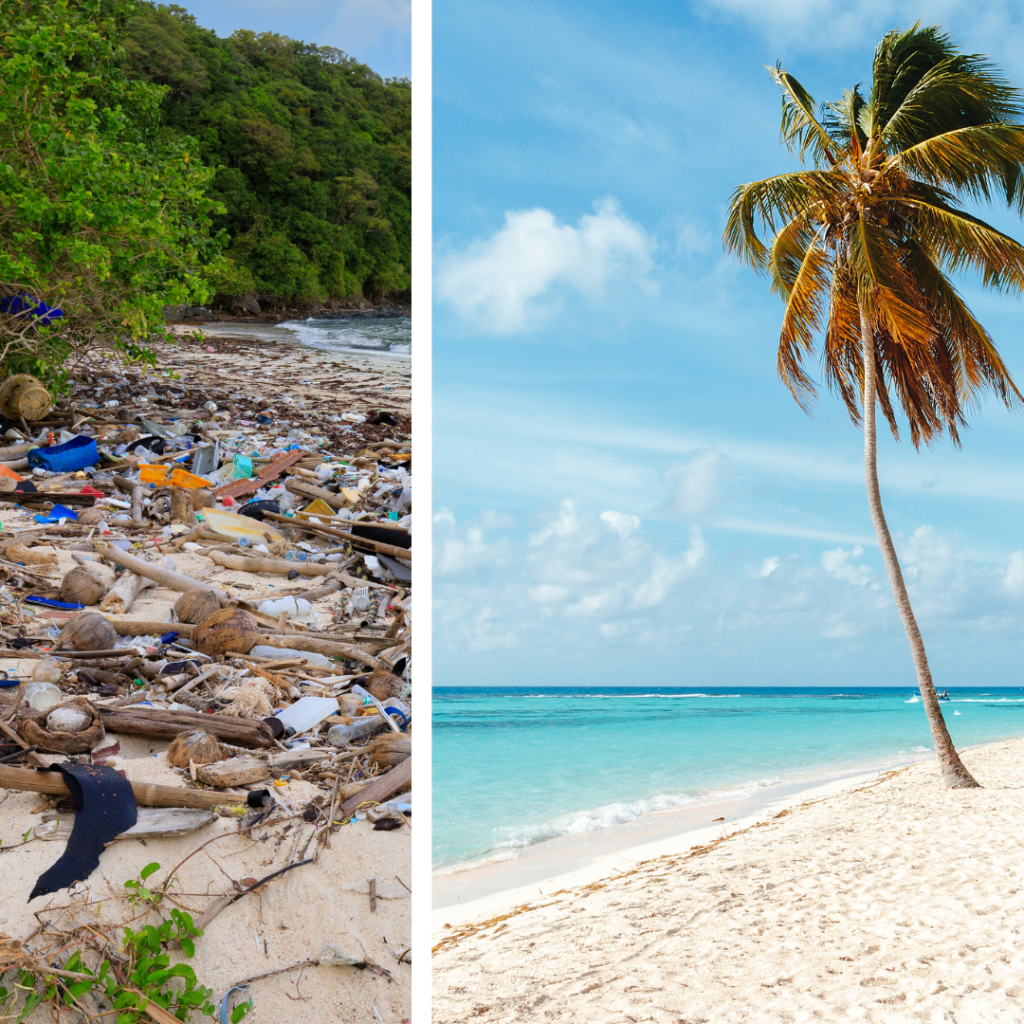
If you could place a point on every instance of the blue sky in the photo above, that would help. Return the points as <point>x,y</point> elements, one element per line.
<point>376,32</point>
<point>624,492</point>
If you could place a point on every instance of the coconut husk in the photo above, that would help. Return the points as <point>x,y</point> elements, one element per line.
<point>196,606</point>
<point>58,741</point>
<point>80,586</point>
<point>17,552</point>
<point>196,747</point>
<point>91,516</point>
<point>388,750</point>
<point>88,631</point>
<point>229,629</point>
<point>383,685</point>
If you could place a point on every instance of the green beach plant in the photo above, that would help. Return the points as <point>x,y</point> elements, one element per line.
<point>861,245</point>
<point>103,211</point>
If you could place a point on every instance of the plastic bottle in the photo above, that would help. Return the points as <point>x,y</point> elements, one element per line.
<point>278,653</point>
<point>305,713</point>
<point>340,735</point>
<point>46,670</point>
<point>296,608</point>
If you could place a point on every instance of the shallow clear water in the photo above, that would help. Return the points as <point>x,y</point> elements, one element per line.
<point>390,334</point>
<point>514,767</point>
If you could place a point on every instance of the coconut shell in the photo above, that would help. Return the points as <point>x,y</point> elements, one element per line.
<point>196,606</point>
<point>91,516</point>
<point>79,586</point>
<point>196,746</point>
<point>383,685</point>
<point>389,750</point>
<point>229,629</point>
<point>59,741</point>
<point>69,717</point>
<point>88,631</point>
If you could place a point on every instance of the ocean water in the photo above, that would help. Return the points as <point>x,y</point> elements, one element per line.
<point>515,767</point>
<point>384,334</point>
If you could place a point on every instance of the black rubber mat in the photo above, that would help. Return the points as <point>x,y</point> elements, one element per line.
<point>105,808</point>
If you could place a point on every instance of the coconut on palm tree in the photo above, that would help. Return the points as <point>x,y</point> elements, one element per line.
<point>861,245</point>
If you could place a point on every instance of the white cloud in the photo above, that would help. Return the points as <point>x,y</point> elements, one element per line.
<point>506,282</point>
<point>458,551</point>
<point>589,592</point>
<point>698,486</point>
<point>1013,579</point>
<point>622,524</point>
<point>839,564</point>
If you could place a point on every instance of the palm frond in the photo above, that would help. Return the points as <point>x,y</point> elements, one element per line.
<point>960,92</point>
<point>802,133</point>
<point>773,202</point>
<point>842,120</point>
<point>976,161</point>
<point>800,270</point>
<point>962,242</point>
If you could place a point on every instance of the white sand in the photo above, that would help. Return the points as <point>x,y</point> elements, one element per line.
<point>291,918</point>
<point>895,900</point>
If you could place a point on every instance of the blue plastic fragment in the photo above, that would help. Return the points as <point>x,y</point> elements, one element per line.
<point>224,1019</point>
<point>35,308</point>
<point>57,513</point>
<point>169,638</point>
<point>49,602</point>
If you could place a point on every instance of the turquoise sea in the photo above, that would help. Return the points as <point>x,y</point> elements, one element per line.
<point>517,766</point>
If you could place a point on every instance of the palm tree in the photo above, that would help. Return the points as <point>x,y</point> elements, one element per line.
<point>862,243</point>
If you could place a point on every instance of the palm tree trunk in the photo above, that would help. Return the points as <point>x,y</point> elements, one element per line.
<point>954,773</point>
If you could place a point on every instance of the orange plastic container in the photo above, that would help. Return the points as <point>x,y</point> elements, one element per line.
<point>176,477</point>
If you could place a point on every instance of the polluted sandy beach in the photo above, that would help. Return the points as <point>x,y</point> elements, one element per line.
<point>303,892</point>
<point>889,900</point>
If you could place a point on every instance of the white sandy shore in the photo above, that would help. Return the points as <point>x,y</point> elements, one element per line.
<point>888,900</point>
<point>464,892</point>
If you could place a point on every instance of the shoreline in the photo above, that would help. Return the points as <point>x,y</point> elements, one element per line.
<point>621,855</point>
<point>884,899</point>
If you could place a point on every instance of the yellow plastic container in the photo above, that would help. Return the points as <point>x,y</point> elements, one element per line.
<point>319,507</point>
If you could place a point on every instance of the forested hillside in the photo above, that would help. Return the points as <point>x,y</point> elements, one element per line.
<point>312,151</point>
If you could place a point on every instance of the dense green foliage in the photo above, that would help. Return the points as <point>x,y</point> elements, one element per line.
<point>311,150</point>
<point>102,211</point>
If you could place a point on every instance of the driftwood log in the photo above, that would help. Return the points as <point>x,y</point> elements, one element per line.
<point>382,787</point>
<point>122,594</point>
<point>159,724</point>
<point>165,577</point>
<point>281,566</point>
<point>315,645</point>
<point>29,780</point>
<point>153,822</point>
<point>312,492</point>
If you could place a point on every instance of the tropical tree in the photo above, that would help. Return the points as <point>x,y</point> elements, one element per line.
<point>861,244</point>
<point>103,214</point>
